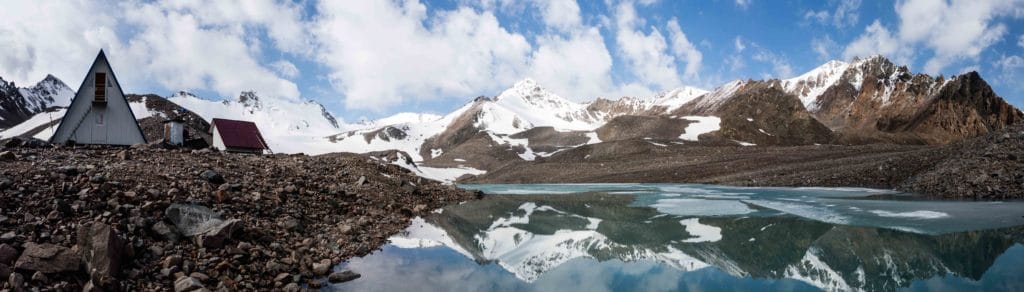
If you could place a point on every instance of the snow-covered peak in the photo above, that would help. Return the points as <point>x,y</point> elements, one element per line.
<point>675,98</point>
<point>809,86</point>
<point>526,105</point>
<point>719,95</point>
<point>50,91</point>
<point>287,125</point>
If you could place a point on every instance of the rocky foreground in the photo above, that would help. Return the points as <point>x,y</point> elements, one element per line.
<point>157,219</point>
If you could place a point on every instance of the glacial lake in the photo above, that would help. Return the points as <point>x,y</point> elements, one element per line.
<point>683,237</point>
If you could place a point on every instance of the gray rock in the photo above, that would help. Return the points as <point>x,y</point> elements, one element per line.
<point>47,258</point>
<point>166,231</point>
<point>361,181</point>
<point>291,287</point>
<point>323,267</point>
<point>5,271</point>
<point>16,281</point>
<point>5,182</point>
<point>102,251</point>
<point>343,276</point>
<point>8,237</point>
<point>172,261</point>
<point>39,277</point>
<point>212,176</point>
<point>192,220</point>
<point>8,155</point>
<point>8,254</point>
<point>289,223</point>
<point>220,234</point>
<point>187,284</point>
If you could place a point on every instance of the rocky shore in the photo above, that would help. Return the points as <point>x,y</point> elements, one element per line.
<point>192,220</point>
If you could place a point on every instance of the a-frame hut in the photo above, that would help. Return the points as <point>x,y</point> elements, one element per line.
<point>99,113</point>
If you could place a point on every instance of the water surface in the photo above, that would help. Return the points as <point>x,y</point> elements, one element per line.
<point>665,237</point>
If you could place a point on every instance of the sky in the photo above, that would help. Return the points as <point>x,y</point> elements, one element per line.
<point>370,59</point>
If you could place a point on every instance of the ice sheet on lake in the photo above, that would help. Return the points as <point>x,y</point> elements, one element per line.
<point>703,232</point>
<point>924,214</point>
<point>701,207</point>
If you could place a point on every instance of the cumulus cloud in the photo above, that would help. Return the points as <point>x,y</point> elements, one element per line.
<point>650,57</point>
<point>561,14</point>
<point>382,53</point>
<point>952,31</point>
<point>176,45</point>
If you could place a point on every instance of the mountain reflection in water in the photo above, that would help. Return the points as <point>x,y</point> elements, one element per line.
<point>698,238</point>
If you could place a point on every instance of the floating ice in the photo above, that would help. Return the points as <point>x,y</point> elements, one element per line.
<point>701,207</point>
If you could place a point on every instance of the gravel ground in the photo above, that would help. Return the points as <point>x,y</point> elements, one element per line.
<point>157,219</point>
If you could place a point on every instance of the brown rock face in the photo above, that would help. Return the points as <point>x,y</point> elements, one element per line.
<point>965,107</point>
<point>760,112</point>
<point>640,127</point>
<point>47,258</point>
<point>876,101</point>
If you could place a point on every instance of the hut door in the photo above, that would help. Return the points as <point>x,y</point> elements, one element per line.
<point>99,133</point>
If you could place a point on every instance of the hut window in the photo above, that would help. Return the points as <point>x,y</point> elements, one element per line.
<point>101,87</point>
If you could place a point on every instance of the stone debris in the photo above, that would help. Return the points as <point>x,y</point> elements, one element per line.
<point>148,218</point>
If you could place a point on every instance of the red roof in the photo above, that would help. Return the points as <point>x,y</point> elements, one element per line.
<point>239,134</point>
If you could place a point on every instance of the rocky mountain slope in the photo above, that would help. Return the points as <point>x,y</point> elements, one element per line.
<point>19,104</point>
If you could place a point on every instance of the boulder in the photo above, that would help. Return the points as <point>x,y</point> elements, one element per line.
<point>167,232</point>
<point>8,155</point>
<point>322,268</point>
<point>8,254</point>
<point>5,182</point>
<point>47,258</point>
<point>102,251</point>
<point>192,220</point>
<point>187,284</point>
<point>212,176</point>
<point>343,276</point>
<point>16,280</point>
<point>219,235</point>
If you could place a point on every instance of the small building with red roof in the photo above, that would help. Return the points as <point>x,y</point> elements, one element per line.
<point>237,136</point>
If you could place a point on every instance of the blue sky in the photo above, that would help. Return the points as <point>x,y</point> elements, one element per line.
<point>369,59</point>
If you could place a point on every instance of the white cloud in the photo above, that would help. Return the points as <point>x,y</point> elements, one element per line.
<point>647,55</point>
<point>875,40</point>
<point>561,14</point>
<point>1010,63</point>
<point>1020,41</point>
<point>780,66</point>
<point>743,3</point>
<point>738,43</point>
<point>684,50</point>
<point>952,31</point>
<point>846,14</point>
<point>285,68</point>
<point>381,53</point>
<point>577,67</point>
<point>823,46</point>
<point>179,45</point>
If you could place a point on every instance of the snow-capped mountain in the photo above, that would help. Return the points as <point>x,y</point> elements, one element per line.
<point>867,100</point>
<point>19,104</point>
<point>288,126</point>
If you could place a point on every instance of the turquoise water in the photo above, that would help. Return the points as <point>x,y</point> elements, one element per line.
<point>669,237</point>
